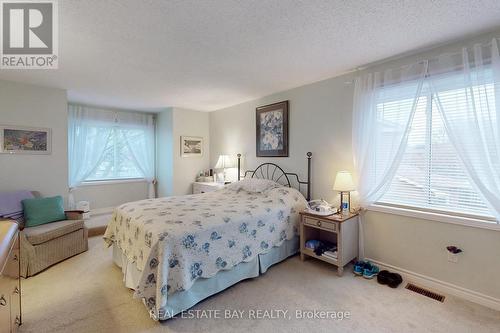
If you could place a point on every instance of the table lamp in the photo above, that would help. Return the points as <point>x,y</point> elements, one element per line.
<point>225,162</point>
<point>344,185</point>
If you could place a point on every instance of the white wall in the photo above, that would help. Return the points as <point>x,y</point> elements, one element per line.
<point>320,121</point>
<point>111,195</point>
<point>33,106</point>
<point>419,246</point>
<point>188,123</point>
<point>164,152</point>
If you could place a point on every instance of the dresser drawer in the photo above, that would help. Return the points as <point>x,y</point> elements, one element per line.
<point>332,226</point>
<point>4,310</point>
<point>11,268</point>
<point>15,307</point>
<point>10,288</point>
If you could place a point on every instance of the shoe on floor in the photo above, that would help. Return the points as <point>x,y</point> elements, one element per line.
<point>394,280</point>
<point>359,267</point>
<point>370,271</point>
<point>383,277</point>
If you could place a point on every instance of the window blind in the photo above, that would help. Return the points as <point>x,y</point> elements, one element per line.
<point>431,176</point>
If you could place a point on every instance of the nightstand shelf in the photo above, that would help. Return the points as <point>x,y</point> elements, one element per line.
<point>311,253</point>
<point>338,229</point>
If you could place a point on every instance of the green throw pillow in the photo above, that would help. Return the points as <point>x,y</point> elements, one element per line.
<point>43,210</point>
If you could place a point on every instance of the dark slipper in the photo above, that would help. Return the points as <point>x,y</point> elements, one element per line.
<point>383,276</point>
<point>394,280</point>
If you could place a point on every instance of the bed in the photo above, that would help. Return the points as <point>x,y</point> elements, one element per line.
<point>176,251</point>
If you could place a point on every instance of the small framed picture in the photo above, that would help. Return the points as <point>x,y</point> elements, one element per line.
<point>191,146</point>
<point>272,130</point>
<point>25,140</point>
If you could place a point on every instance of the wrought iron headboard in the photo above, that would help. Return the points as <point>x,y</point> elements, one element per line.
<point>275,173</point>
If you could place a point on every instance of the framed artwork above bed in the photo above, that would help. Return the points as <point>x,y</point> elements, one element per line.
<point>25,140</point>
<point>272,130</point>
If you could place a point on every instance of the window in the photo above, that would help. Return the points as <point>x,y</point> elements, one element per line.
<point>431,176</point>
<point>117,161</point>
<point>110,145</point>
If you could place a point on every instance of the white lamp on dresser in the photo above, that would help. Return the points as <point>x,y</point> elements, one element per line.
<point>223,163</point>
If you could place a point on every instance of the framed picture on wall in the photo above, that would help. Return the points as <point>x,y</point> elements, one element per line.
<point>191,146</point>
<point>25,140</point>
<point>272,130</point>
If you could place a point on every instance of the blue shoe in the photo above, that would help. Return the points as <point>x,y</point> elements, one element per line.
<point>359,267</point>
<point>370,271</point>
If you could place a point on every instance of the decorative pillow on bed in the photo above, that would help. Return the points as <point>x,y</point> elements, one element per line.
<point>254,185</point>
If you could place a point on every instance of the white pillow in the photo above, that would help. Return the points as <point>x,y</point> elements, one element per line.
<point>254,185</point>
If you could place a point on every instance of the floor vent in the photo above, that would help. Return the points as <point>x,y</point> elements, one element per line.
<point>425,292</point>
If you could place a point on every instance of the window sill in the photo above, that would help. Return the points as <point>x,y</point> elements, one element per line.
<point>113,181</point>
<point>438,217</point>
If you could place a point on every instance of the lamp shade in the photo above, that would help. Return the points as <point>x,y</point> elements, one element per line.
<point>225,162</point>
<point>343,182</point>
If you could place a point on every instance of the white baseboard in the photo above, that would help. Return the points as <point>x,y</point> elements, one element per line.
<point>102,211</point>
<point>441,286</point>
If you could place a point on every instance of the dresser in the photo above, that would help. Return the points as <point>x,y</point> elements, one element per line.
<point>10,283</point>
<point>204,187</point>
<point>338,229</point>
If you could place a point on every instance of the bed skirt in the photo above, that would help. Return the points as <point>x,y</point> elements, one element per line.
<point>203,288</point>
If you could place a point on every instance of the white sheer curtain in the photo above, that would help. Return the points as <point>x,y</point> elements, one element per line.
<point>378,145</point>
<point>466,89</point>
<point>138,131</point>
<point>88,133</point>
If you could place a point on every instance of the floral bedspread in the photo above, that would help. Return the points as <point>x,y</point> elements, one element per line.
<point>176,240</point>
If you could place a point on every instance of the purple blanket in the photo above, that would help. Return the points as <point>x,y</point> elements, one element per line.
<point>10,203</point>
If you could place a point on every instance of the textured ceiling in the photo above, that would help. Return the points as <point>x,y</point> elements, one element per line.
<point>209,54</point>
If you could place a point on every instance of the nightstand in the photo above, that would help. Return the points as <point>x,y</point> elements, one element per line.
<point>342,230</point>
<point>202,187</point>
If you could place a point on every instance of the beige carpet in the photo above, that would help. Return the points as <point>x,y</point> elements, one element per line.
<point>86,294</point>
<point>97,224</point>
